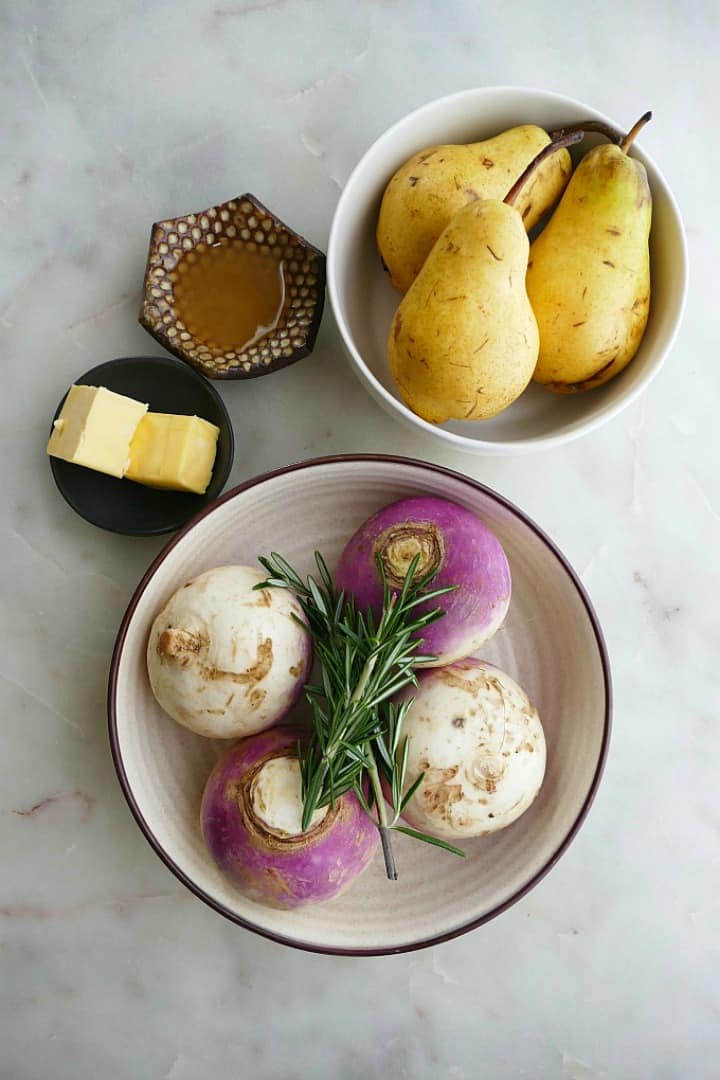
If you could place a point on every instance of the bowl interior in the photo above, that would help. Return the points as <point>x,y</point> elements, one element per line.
<point>122,506</point>
<point>549,643</point>
<point>364,301</point>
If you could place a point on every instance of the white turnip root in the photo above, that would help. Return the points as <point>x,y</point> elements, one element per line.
<point>225,660</point>
<point>475,735</point>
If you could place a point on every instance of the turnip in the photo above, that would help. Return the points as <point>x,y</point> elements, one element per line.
<point>225,659</point>
<point>251,820</point>
<point>448,540</point>
<point>479,742</point>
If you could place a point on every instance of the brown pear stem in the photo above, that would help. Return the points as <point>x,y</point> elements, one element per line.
<point>614,135</point>
<point>634,130</point>
<point>568,138</point>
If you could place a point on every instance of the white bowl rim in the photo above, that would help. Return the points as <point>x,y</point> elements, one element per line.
<point>465,442</point>
<point>216,905</point>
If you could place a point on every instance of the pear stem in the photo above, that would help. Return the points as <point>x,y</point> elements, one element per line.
<point>634,130</point>
<point>614,135</point>
<point>567,138</point>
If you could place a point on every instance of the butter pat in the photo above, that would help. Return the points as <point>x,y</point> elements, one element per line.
<point>95,428</point>
<point>176,452</point>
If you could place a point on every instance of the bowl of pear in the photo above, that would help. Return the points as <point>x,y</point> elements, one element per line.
<point>472,289</point>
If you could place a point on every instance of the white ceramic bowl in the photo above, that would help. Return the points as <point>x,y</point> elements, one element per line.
<point>551,643</point>
<point>363,300</point>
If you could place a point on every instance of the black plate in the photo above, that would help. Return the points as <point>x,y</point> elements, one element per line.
<point>122,506</point>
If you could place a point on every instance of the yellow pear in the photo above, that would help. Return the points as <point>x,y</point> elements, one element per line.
<point>434,184</point>
<point>463,343</point>
<point>589,271</point>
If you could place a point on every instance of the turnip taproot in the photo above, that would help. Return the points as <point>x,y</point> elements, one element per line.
<point>251,820</point>
<point>475,735</point>
<point>226,660</point>
<point>452,542</point>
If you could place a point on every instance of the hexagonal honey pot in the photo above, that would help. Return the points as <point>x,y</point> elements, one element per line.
<point>233,290</point>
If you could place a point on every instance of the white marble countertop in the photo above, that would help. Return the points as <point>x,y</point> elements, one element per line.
<point>117,114</point>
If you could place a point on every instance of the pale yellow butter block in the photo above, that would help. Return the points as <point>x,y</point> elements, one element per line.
<point>95,428</point>
<point>176,452</point>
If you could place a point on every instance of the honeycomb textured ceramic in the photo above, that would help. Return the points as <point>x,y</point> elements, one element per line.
<point>550,643</point>
<point>246,222</point>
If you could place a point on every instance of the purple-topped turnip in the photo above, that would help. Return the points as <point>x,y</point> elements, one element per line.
<point>251,818</point>
<point>479,742</point>
<point>448,540</point>
<point>226,659</point>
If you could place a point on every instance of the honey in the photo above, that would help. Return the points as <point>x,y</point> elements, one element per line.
<point>229,296</point>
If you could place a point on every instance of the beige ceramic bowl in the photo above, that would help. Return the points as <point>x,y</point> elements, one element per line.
<point>363,301</point>
<point>551,643</point>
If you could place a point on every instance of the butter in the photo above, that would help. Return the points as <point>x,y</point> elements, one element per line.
<point>117,435</point>
<point>95,428</point>
<point>176,452</point>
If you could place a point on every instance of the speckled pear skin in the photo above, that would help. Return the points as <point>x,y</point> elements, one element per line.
<point>464,342</point>
<point>246,222</point>
<point>427,191</point>
<point>589,273</point>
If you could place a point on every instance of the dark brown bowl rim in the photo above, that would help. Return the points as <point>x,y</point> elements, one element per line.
<point>280,939</point>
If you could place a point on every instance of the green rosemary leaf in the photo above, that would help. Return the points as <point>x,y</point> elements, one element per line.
<point>364,632</point>
<point>399,714</point>
<point>357,788</point>
<point>434,840</point>
<point>352,635</point>
<point>332,792</point>
<point>317,597</point>
<point>388,691</point>
<point>407,583</point>
<point>385,754</point>
<point>426,597</point>
<point>402,769</point>
<point>410,792</point>
<point>364,661</point>
<point>395,788</point>
<point>324,572</point>
<point>286,569</point>
<point>271,582</point>
<point>386,767</point>
<point>312,793</point>
<point>357,754</point>
<point>345,777</point>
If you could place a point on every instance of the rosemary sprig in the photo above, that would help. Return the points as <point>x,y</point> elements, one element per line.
<point>357,731</point>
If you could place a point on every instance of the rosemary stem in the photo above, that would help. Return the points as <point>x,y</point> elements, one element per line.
<point>327,757</point>
<point>354,698</point>
<point>363,680</point>
<point>383,828</point>
<point>365,661</point>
